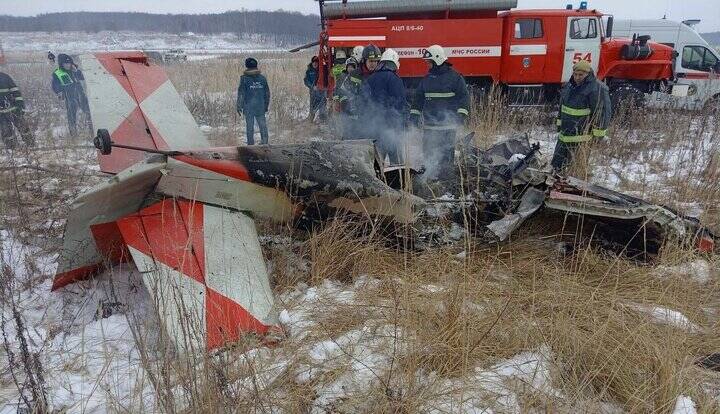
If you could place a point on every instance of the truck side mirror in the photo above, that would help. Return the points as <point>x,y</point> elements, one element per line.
<point>609,27</point>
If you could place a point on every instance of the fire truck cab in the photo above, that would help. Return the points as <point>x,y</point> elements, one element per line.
<point>697,68</point>
<point>529,53</point>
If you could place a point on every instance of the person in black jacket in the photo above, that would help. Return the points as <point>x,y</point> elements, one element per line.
<point>317,97</point>
<point>387,106</point>
<point>584,114</point>
<point>66,83</point>
<point>253,101</point>
<point>442,101</point>
<point>12,113</point>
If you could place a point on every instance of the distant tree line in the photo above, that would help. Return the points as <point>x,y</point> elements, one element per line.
<point>284,26</point>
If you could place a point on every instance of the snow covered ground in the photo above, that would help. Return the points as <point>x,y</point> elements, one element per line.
<point>92,363</point>
<point>76,42</point>
<point>84,335</point>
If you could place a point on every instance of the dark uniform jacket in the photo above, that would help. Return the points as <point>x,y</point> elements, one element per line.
<point>585,110</point>
<point>10,98</point>
<point>311,76</point>
<point>384,91</point>
<point>340,88</point>
<point>349,91</point>
<point>442,98</point>
<point>253,93</point>
<point>67,84</point>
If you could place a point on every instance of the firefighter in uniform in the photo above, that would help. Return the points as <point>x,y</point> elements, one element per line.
<point>343,113</point>
<point>352,91</point>
<point>585,112</point>
<point>12,108</point>
<point>66,85</point>
<point>387,106</point>
<point>442,101</point>
<point>338,63</point>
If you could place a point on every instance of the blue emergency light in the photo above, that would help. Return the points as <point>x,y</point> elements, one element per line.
<point>583,5</point>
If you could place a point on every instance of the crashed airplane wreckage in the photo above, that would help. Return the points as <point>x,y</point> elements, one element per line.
<point>184,212</point>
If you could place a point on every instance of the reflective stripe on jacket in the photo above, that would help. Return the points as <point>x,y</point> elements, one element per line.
<point>10,97</point>
<point>585,110</point>
<point>442,97</point>
<point>349,90</point>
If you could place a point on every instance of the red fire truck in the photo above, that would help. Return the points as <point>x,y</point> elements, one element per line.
<point>529,53</point>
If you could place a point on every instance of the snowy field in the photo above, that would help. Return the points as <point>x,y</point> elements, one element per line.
<point>77,42</point>
<point>510,329</point>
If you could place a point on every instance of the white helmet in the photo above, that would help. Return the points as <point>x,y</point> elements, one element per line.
<point>340,54</point>
<point>357,53</point>
<point>390,55</point>
<point>436,53</point>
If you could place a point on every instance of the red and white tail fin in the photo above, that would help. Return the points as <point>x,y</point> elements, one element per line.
<point>135,101</point>
<point>204,267</point>
<point>92,240</point>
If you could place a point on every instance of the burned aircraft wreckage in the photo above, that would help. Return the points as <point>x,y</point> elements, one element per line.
<point>184,212</point>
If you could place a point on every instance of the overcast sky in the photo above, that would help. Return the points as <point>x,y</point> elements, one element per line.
<point>707,10</point>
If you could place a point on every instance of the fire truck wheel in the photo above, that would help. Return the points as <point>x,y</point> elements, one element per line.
<point>625,98</point>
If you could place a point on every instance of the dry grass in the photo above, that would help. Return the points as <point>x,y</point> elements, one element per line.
<point>499,303</point>
<point>450,315</point>
<point>209,89</point>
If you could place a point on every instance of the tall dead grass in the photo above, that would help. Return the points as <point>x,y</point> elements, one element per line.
<point>452,314</point>
<point>461,314</point>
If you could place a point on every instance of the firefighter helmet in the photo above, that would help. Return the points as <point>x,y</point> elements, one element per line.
<point>371,52</point>
<point>436,53</point>
<point>351,61</point>
<point>357,53</point>
<point>390,55</point>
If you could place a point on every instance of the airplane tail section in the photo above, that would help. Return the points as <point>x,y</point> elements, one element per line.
<point>135,101</point>
<point>204,267</point>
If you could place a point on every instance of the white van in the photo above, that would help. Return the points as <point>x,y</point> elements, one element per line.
<point>696,68</point>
